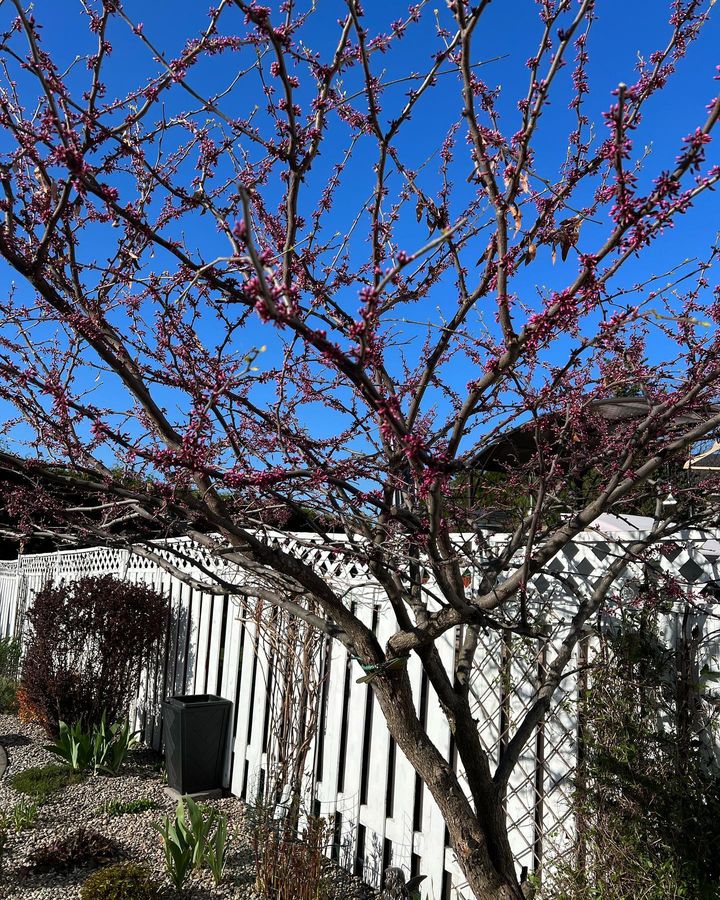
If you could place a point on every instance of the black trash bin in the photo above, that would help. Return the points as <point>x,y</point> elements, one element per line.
<point>196,729</point>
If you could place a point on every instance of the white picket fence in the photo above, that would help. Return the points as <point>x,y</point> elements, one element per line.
<point>383,814</point>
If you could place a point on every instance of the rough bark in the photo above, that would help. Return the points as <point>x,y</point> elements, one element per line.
<point>474,834</point>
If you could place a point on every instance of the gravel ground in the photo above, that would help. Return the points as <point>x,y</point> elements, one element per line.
<point>80,805</point>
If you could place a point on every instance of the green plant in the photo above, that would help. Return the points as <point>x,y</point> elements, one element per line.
<point>178,846</point>
<point>8,695</point>
<point>87,640</point>
<point>648,789</point>
<point>111,745</point>
<point>126,807</point>
<point>103,748</point>
<point>42,781</point>
<point>74,745</point>
<point>19,817</point>
<point>9,661</point>
<point>82,848</point>
<point>122,881</point>
<point>10,650</point>
<point>200,820</point>
<point>216,850</point>
<point>190,842</point>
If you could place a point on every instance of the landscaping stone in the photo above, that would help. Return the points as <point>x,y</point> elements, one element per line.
<point>82,805</point>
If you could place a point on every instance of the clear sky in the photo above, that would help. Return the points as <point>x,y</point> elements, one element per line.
<point>506,38</point>
<point>623,31</point>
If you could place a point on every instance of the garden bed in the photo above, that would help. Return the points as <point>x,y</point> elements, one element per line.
<point>98,803</point>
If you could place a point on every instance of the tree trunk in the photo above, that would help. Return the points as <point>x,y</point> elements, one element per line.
<point>488,797</point>
<point>479,839</point>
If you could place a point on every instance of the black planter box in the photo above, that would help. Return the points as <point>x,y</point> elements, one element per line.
<point>196,729</point>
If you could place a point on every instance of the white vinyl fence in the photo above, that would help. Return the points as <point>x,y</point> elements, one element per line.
<point>383,814</point>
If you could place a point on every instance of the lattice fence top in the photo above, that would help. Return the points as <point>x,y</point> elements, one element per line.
<point>691,557</point>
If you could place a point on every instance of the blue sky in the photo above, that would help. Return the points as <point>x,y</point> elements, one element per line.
<point>509,30</point>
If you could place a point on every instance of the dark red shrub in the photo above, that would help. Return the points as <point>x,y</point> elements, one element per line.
<point>87,640</point>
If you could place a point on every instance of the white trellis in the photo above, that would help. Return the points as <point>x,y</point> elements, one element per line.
<point>383,815</point>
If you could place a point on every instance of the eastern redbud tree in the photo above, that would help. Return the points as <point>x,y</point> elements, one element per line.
<point>376,275</point>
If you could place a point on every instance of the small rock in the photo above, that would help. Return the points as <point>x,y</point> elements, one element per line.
<point>81,804</point>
